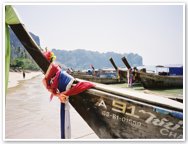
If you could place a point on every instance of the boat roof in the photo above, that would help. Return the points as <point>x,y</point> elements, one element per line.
<point>170,66</point>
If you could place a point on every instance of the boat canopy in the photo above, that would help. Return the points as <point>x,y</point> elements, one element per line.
<point>171,70</point>
<point>175,70</point>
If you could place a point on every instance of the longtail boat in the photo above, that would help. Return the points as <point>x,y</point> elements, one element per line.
<point>104,76</point>
<point>156,81</point>
<point>117,113</point>
<point>122,73</point>
<point>96,79</point>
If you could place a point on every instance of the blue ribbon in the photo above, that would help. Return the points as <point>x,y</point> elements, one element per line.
<point>64,80</point>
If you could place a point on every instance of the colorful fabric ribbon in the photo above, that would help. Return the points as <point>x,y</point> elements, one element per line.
<point>50,56</point>
<point>60,84</point>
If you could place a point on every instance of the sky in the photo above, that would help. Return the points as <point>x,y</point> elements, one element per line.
<point>153,31</point>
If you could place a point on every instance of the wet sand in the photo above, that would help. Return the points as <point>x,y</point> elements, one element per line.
<point>16,77</point>
<point>30,115</point>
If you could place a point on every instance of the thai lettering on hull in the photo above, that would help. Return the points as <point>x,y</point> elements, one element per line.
<point>165,126</point>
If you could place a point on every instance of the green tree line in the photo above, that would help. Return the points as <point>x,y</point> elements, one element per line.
<point>24,63</point>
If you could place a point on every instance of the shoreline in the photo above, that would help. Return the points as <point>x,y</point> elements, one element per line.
<point>32,111</point>
<point>15,78</point>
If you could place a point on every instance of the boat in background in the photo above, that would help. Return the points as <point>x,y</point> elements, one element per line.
<point>122,73</point>
<point>136,78</point>
<point>104,76</point>
<point>164,77</point>
<point>172,77</point>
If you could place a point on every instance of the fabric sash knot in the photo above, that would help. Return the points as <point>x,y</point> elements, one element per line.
<point>60,84</point>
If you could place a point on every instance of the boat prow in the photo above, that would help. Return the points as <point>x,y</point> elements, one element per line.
<point>117,113</point>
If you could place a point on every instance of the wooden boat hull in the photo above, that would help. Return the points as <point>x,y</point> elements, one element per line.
<point>152,81</point>
<point>98,79</point>
<point>115,116</point>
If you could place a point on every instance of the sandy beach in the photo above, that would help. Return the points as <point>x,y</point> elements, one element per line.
<point>16,77</point>
<point>30,115</point>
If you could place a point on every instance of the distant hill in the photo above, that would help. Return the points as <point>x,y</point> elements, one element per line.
<point>17,49</point>
<point>82,59</point>
<point>77,59</point>
<point>19,56</point>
